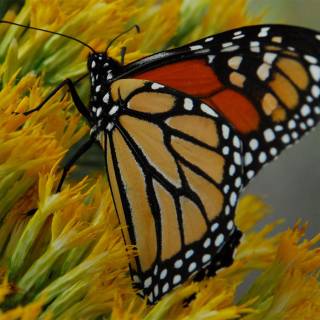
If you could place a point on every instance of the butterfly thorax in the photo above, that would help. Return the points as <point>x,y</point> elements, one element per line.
<point>102,70</point>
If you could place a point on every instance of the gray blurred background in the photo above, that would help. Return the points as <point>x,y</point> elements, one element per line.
<point>290,185</point>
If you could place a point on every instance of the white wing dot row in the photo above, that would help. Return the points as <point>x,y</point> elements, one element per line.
<point>179,263</point>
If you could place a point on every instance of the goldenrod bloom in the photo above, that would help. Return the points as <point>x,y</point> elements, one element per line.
<point>68,260</point>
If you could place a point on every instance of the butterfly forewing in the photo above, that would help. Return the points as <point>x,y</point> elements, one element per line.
<point>263,80</point>
<point>175,169</point>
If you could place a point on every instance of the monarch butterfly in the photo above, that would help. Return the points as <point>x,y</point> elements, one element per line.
<point>185,130</point>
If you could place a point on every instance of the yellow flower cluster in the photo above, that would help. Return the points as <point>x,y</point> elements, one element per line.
<point>67,259</point>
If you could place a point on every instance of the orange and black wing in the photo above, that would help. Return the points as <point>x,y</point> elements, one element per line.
<point>263,80</point>
<point>175,169</point>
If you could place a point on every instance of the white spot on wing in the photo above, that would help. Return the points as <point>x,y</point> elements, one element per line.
<point>210,58</point>
<point>196,47</point>
<point>262,157</point>
<point>263,71</point>
<point>237,158</point>
<point>309,99</point>
<point>236,142</point>
<point>110,126</point>
<point>189,254</point>
<point>188,104</point>
<point>254,144</point>
<point>147,282</point>
<point>277,39</point>
<point>232,170</point>
<point>203,51</point>
<point>192,267</point>
<point>248,158</point>
<point>206,258</point>
<point>225,131</point>
<point>269,135</point>
<point>238,37</point>
<point>285,138</point>
<point>156,86</point>
<point>207,243</point>
<point>255,46</point>
<point>250,174</point>
<point>315,90</point>
<point>230,225</point>
<point>178,264</point>
<point>99,110</point>
<point>292,124</point>
<point>235,62</point>
<point>105,98</point>
<point>214,227</point>
<point>109,75</point>
<point>310,122</point>
<point>227,44</point>
<point>208,110</point>
<point>225,150</point>
<point>305,110</point>
<point>230,49</point>
<point>238,182</point>
<point>163,273</point>
<point>113,110</point>
<point>310,59</point>
<point>233,199</point>
<point>263,32</point>
<point>273,151</point>
<point>176,279</point>
<point>269,57</point>
<point>315,72</point>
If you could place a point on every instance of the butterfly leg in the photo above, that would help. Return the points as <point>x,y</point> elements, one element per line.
<point>84,111</point>
<point>83,149</point>
<point>122,54</point>
<point>75,97</point>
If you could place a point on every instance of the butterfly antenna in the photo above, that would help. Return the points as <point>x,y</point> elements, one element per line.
<point>135,26</point>
<point>48,31</point>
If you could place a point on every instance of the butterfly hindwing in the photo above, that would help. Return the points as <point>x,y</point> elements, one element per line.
<point>175,168</point>
<point>264,80</point>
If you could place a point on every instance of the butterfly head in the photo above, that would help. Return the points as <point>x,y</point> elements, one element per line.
<point>102,70</point>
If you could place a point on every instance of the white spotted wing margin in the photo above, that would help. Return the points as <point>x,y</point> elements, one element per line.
<point>175,169</point>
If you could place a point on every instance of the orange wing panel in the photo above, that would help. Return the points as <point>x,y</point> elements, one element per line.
<point>194,77</point>
<point>237,109</point>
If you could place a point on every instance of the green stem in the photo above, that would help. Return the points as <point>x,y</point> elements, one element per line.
<point>25,243</point>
